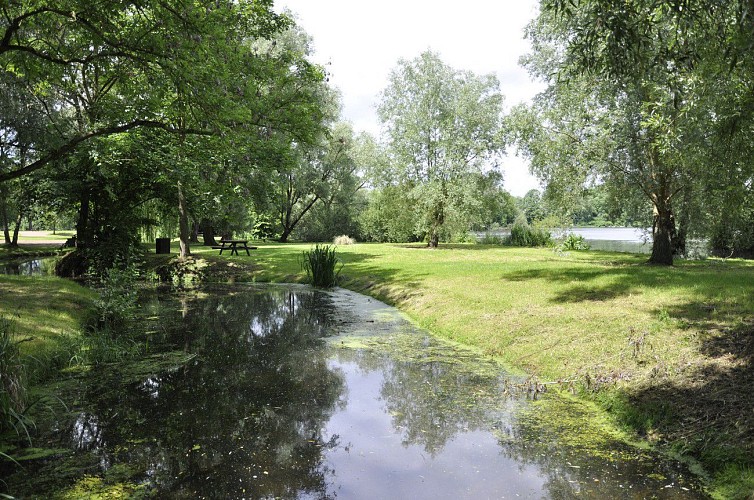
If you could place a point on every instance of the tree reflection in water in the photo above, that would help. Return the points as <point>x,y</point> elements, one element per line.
<point>268,407</point>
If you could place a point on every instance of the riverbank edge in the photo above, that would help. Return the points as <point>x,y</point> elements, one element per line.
<point>213,268</point>
<point>238,271</point>
<point>728,483</point>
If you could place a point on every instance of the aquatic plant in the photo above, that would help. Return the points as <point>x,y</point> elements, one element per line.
<point>108,338</point>
<point>321,266</point>
<point>574,241</point>
<point>117,297</point>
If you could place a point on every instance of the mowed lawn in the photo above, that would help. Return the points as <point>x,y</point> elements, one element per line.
<point>551,314</point>
<point>667,351</point>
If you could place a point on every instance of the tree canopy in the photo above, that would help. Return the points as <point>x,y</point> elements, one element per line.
<point>442,125</point>
<point>632,102</point>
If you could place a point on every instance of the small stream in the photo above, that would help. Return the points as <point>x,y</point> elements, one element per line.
<point>282,391</point>
<point>38,266</point>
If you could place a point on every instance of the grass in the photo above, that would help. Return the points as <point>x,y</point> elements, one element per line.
<point>672,349</point>
<point>42,312</point>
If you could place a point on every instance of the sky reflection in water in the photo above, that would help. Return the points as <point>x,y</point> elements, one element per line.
<point>301,393</point>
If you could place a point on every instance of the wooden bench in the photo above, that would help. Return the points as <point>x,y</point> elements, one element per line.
<point>233,246</point>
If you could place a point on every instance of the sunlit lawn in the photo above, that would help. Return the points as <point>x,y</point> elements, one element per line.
<point>40,309</point>
<point>673,340</point>
<point>551,314</point>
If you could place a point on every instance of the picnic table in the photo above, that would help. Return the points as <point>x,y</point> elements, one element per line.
<point>233,246</point>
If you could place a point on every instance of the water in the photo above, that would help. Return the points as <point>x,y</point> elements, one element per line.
<point>617,239</point>
<point>620,239</point>
<point>285,391</point>
<point>27,267</point>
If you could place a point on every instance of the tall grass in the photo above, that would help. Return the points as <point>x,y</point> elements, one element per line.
<point>321,265</point>
<point>12,389</point>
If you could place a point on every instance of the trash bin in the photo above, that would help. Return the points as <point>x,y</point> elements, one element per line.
<point>163,245</point>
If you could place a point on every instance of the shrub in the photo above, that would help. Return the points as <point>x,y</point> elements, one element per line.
<point>490,239</point>
<point>343,240</point>
<point>117,297</point>
<point>524,235</point>
<point>321,266</point>
<point>574,242</point>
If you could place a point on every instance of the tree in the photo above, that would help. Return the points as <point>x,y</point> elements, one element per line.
<point>441,126</point>
<point>131,47</point>
<point>631,101</point>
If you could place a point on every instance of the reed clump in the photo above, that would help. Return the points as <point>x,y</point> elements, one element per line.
<point>322,266</point>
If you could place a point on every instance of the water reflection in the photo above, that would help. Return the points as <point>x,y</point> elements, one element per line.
<point>440,426</point>
<point>26,267</point>
<point>86,433</point>
<point>296,393</point>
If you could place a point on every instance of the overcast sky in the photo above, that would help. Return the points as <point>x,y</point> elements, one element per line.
<point>362,41</point>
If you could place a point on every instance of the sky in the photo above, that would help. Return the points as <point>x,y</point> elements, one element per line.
<point>360,42</point>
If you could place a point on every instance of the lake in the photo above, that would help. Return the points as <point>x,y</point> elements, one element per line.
<point>617,239</point>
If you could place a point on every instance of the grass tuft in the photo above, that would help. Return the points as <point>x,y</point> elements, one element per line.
<point>321,266</point>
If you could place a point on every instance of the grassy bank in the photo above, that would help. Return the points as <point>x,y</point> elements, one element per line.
<point>669,352</point>
<point>42,311</point>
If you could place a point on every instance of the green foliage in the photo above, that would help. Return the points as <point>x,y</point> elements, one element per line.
<point>491,239</point>
<point>263,228</point>
<point>442,126</point>
<point>388,217</point>
<point>116,304</point>
<point>321,266</point>
<point>573,241</point>
<point>12,386</point>
<point>525,235</point>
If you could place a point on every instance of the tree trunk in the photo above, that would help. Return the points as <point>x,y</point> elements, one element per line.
<point>6,222</point>
<point>208,233</point>
<point>663,227</point>
<point>17,228</point>
<point>683,220</point>
<point>183,223</point>
<point>438,219</point>
<point>83,233</point>
<point>434,239</point>
<point>194,232</point>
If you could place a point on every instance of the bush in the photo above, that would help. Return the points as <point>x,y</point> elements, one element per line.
<point>321,266</point>
<point>117,298</point>
<point>343,240</point>
<point>524,235</point>
<point>574,242</point>
<point>490,239</point>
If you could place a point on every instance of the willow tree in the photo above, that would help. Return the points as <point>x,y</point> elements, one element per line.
<point>627,99</point>
<point>442,125</point>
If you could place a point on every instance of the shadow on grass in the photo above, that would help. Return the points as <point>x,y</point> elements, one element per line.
<point>387,284</point>
<point>706,410</point>
<point>598,280</point>
<point>581,282</point>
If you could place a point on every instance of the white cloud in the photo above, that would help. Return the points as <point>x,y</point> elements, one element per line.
<point>362,41</point>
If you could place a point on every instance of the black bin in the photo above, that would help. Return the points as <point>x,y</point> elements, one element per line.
<point>163,245</point>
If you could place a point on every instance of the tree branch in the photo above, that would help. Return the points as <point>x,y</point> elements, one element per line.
<point>70,146</point>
